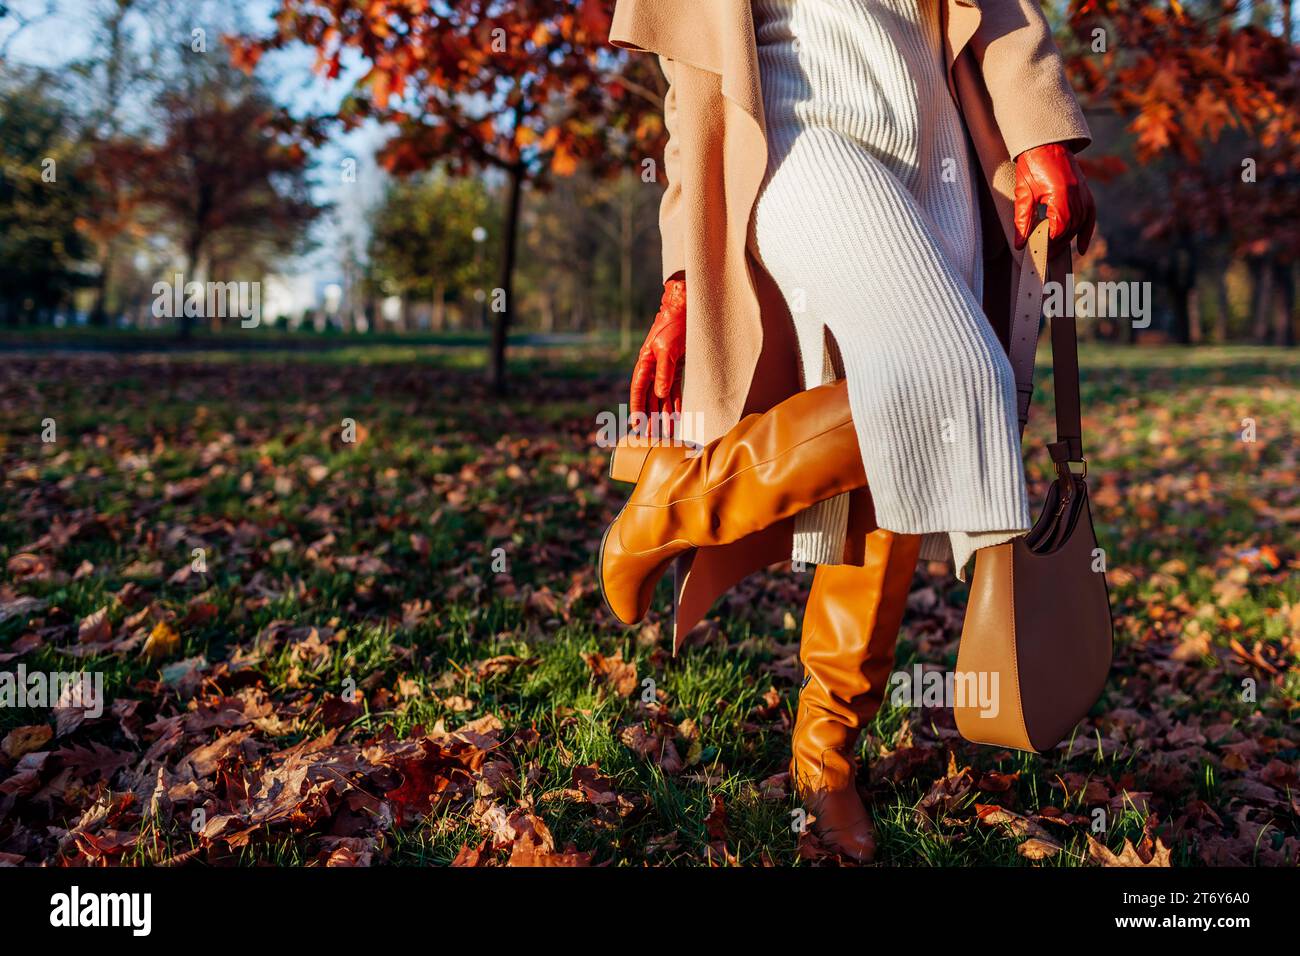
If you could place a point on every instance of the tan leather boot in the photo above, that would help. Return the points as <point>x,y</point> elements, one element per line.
<point>849,631</point>
<point>766,468</point>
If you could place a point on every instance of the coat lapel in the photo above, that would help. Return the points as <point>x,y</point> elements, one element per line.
<point>961,18</point>
<point>713,35</point>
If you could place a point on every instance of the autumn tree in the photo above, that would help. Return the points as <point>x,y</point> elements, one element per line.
<point>1211,105</point>
<point>627,216</point>
<point>591,249</point>
<point>422,241</point>
<point>115,173</point>
<point>227,179</point>
<point>40,196</point>
<point>111,74</point>
<point>526,91</point>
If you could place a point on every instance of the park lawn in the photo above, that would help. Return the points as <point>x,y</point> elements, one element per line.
<point>351,678</point>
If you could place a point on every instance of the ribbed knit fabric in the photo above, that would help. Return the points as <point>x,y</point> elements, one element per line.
<point>868,222</point>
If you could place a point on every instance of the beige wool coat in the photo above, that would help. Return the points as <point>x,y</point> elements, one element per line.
<point>1004,72</point>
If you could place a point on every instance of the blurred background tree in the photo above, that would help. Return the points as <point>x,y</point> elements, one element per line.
<point>230,184</point>
<point>426,242</point>
<point>522,90</point>
<point>1196,108</point>
<point>40,199</point>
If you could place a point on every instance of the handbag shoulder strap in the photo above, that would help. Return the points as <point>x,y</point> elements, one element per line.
<point>1028,311</point>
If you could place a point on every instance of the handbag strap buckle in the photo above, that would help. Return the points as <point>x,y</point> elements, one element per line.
<point>1066,453</point>
<point>1065,469</point>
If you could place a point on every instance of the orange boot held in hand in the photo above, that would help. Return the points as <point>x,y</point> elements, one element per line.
<point>768,467</point>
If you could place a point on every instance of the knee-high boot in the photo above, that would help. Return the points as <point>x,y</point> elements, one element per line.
<point>849,632</point>
<point>768,467</point>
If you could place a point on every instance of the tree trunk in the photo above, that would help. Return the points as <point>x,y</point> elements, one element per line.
<point>501,323</point>
<point>1127,329</point>
<point>1261,295</point>
<point>185,321</point>
<point>1284,305</point>
<point>1182,288</point>
<point>1178,299</point>
<point>1194,332</point>
<point>1221,304</point>
<point>548,311</point>
<point>99,312</point>
<point>216,321</point>
<point>438,319</point>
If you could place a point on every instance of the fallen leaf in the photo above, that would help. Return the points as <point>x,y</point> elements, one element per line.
<point>25,740</point>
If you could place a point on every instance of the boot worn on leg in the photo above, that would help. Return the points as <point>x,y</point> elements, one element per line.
<point>849,631</point>
<point>766,468</point>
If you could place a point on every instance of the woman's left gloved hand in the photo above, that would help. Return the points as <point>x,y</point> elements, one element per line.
<point>1051,175</point>
<point>657,375</point>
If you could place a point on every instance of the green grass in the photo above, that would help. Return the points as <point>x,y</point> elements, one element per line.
<point>239,454</point>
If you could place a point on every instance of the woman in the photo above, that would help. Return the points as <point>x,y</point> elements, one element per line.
<point>846,181</point>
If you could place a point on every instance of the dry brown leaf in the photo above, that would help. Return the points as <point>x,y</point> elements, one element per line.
<point>1129,856</point>
<point>95,628</point>
<point>25,740</point>
<point>614,671</point>
<point>1038,848</point>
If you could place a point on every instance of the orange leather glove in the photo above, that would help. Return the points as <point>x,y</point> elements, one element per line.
<point>657,375</point>
<point>1050,174</point>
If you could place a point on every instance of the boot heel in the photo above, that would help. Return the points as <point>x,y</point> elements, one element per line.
<point>629,455</point>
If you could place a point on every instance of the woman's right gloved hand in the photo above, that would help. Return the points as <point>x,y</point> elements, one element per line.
<point>657,375</point>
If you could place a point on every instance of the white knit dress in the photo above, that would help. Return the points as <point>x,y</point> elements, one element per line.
<point>868,222</point>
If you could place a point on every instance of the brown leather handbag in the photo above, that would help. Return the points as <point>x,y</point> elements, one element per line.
<point>1036,643</point>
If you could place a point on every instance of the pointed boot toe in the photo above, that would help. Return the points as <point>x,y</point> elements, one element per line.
<point>638,546</point>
